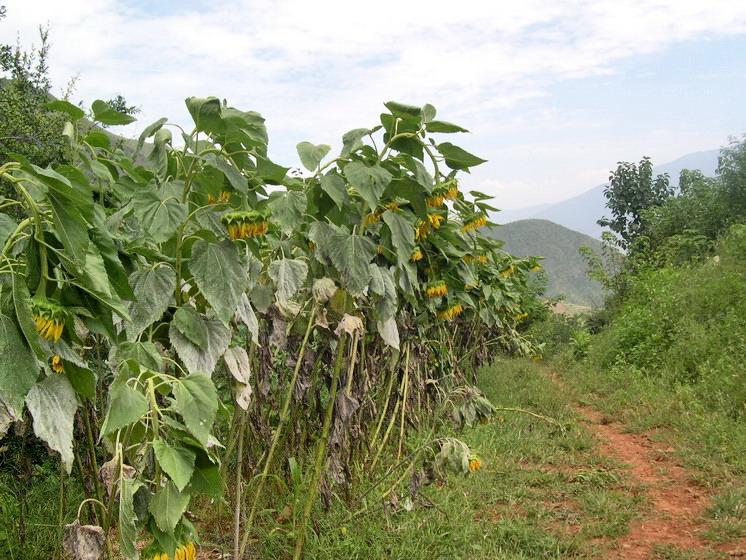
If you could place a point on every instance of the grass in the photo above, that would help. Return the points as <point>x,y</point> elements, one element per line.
<point>543,491</point>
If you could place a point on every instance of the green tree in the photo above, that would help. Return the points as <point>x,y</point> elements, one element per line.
<point>631,190</point>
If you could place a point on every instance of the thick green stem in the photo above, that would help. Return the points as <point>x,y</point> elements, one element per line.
<point>284,413</point>
<point>320,456</point>
<point>405,382</point>
<point>154,412</point>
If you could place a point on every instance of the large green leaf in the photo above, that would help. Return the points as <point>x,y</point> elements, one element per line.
<point>206,113</point>
<point>149,131</point>
<point>353,140</point>
<point>73,111</point>
<point>287,209</point>
<point>167,507</point>
<point>196,359</point>
<point>126,406</point>
<point>402,234</point>
<point>196,399</point>
<point>154,289</point>
<point>128,518</point>
<point>269,171</point>
<point>288,276</point>
<point>24,315</point>
<point>144,353</point>
<point>7,227</point>
<point>106,114</point>
<point>18,367</point>
<point>458,158</point>
<point>334,185</point>
<point>176,461</point>
<point>52,404</point>
<point>443,126</point>
<point>70,228</point>
<point>114,269</point>
<point>369,181</point>
<point>189,323</point>
<point>217,270</point>
<point>234,176</point>
<point>311,155</point>
<point>351,255</point>
<point>160,211</point>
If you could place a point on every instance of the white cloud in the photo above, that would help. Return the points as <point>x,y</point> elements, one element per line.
<point>316,69</point>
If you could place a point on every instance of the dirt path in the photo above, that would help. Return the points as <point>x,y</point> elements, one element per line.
<point>676,503</point>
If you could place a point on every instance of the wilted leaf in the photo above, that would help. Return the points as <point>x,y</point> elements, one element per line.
<point>245,313</point>
<point>289,276</point>
<point>84,542</point>
<point>389,332</point>
<point>18,368</point>
<point>349,324</point>
<point>52,404</point>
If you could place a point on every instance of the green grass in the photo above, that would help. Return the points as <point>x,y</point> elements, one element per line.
<point>543,491</point>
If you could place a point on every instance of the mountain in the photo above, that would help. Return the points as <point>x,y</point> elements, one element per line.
<point>559,246</point>
<point>580,212</point>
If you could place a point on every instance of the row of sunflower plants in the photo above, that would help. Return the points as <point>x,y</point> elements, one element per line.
<point>184,321</point>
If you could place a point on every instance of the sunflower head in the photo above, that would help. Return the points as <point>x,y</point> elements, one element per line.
<point>222,198</point>
<point>450,312</point>
<point>473,222</point>
<point>49,319</point>
<point>474,464</point>
<point>57,365</point>
<point>245,224</point>
<point>435,220</point>
<point>436,289</point>
<point>423,229</point>
<point>416,254</point>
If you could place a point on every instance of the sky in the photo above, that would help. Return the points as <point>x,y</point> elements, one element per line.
<point>554,92</point>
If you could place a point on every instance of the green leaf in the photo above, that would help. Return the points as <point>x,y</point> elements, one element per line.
<point>428,113</point>
<point>269,171</point>
<point>176,461</point>
<point>207,480</point>
<point>335,186</point>
<point>287,209</point>
<point>311,155</point>
<point>458,158</point>
<point>196,399</point>
<point>190,324</point>
<point>74,112</point>
<point>167,507</point>
<point>196,359</point>
<point>114,269</point>
<point>128,518</point>
<point>97,139</point>
<point>353,140</point>
<point>82,379</point>
<point>18,367</point>
<point>234,176</point>
<point>370,182</point>
<point>24,316</point>
<point>7,227</point>
<point>217,270</point>
<point>52,404</point>
<point>402,234</point>
<point>144,353</point>
<point>351,255</point>
<point>149,131</point>
<point>445,127</point>
<point>206,113</point>
<point>402,109</point>
<point>160,211</point>
<point>126,406</point>
<point>69,227</point>
<point>106,114</point>
<point>288,276</point>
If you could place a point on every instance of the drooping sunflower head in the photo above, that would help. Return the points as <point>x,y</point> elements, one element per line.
<point>508,272</point>
<point>436,289</point>
<point>450,312</point>
<point>57,365</point>
<point>49,319</point>
<point>474,464</point>
<point>435,220</point>
<point>222,198</point>
<point>186,551</point>
<point>423,229</point>
<point>416,254</point>
<point>451,189</point>
<point>245,224</point>
<point>473,222</point>
<point>372,218</point>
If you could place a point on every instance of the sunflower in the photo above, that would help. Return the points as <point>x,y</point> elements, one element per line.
<point>372,218</point>
<point>183,552</point>
<point>57,365</point>
<point>508,271</point>
<point>481,259</point>
<point>222,198</point>
<point>416,255</point>
<point>535,268</point>
<point>435,220</point>
<point>452,192</point>
<point>474,222</point>
<point>49,319</point>
<point>474,464</point>
<point>435,201</point>
<point>436,289</point>
<point>423,229</point>
<point>242,225</point>
<point>393,206</point>
<point>451,312</point>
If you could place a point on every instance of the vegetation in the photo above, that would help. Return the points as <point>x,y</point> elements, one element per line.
<point>143,305</point>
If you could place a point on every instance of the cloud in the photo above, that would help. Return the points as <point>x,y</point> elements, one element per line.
<point>317,69</point>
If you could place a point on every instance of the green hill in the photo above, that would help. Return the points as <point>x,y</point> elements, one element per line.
<point>565,267</point>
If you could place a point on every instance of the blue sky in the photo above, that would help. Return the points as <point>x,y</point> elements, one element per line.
<point>554,92</point>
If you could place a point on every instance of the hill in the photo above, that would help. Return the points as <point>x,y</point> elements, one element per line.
<point>580,212</point>
<point>562,262</point>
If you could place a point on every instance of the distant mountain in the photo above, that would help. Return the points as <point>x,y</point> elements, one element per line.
<point>581,212</point>
<point>565,268</point>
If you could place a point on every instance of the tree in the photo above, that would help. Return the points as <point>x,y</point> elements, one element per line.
<point>632,190</point>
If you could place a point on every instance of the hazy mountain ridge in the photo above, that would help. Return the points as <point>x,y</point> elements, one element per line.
<point>581,212</point>
<point>563,264</point>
